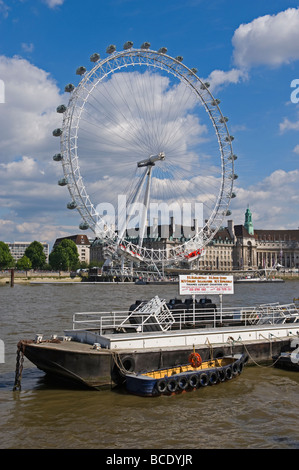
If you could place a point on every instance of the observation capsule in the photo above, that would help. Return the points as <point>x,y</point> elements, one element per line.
<point>94,57</point>
<point>233,195</point>
<point>179,58</point>
<point>230,138</point>
<point>71,205</point>
<point>62,182</point>
<point>205,85</point>
<point>83,226</point>
<point>57,157</point>
<point>57,132</point>
<point>162,50</point>
<point>69,87</point>
<point>215,102</point>
<point>145,45</point>
<point>80,70</point>
<point>110,49</point>
<point>223,119</point>
<point>128,45</point>
<point>61,108</point>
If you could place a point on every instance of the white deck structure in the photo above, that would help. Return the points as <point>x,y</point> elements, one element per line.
<point>151,325</point>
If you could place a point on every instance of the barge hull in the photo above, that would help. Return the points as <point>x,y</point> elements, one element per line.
<point>103,368</point>
<point>72,361</point>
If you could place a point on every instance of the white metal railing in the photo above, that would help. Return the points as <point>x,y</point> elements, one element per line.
<point>121,321</point>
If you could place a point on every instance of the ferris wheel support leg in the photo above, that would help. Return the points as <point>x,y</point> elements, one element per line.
<point>159,274</point>
<point>146,204</point>
<point>136,196</point>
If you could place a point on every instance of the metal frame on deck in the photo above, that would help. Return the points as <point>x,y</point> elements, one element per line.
<point>270,314</point>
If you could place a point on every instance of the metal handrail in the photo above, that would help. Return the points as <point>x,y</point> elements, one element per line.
<point>114,320</point>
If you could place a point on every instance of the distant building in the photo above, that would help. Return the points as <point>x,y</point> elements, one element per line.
<point>83,246</point>
<point>17,249</point>
<point>265,248</point>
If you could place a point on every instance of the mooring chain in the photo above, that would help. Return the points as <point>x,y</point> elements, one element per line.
<point>19,367</point>
<point>20,363</point>
<point>232,341</point>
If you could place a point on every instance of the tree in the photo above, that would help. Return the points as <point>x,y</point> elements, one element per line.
<point>24,263</point>
<point>58,258</point>
<point>65,256</point>
<point>83,265</point>
<point>6,259</point>
<point>35,253</point>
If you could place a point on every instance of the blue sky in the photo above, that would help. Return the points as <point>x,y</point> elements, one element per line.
<point>247,50</point>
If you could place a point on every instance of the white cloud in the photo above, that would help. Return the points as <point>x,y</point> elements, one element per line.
<point>268,40</point>
<point>270,210</point>
<point>53,3</point>
<point>27,47</point>
<point>44,231</point>
<point>28,115</point>
<point>220,78</point>
<point>4,9</point>
<point>24,168</point>
<point>287,125</point>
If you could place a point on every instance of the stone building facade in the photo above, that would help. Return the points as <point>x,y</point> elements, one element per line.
<point>241,247</point>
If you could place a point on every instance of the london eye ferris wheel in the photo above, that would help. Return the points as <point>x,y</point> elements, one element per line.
<point>143,138</point>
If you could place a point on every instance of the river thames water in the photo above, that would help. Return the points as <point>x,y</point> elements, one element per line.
<point>258,410</point>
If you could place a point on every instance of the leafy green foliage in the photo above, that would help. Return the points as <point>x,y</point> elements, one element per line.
<point>24,263</point>
<point>65,256</point>
<point>6,259</point>
<point>35,253</point>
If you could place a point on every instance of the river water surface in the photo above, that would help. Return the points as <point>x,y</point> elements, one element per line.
<point>258,410</point>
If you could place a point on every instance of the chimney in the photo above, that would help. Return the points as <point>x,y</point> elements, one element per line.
<point>230,227</point>
<point>172,226</point>
<point>154,233</point>
<point>195,221</point>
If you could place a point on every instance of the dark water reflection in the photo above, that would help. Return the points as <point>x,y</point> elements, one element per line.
<point>257,410</point>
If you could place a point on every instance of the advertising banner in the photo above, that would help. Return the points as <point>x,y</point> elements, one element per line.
<point>206,284</point>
